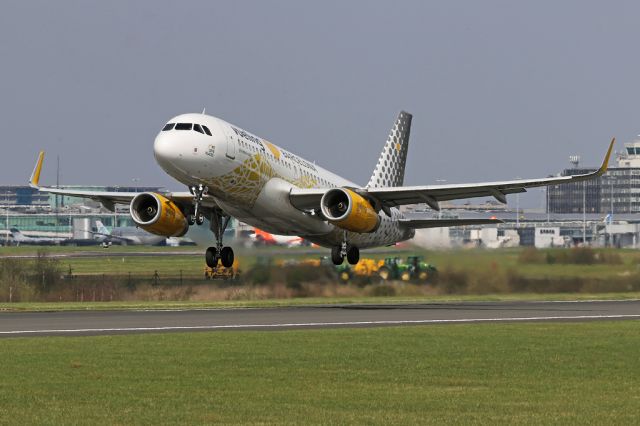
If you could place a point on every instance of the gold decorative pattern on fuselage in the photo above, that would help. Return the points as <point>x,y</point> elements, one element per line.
<point>244,183</point>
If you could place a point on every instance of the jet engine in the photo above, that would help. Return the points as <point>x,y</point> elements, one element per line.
<point>157,214</point>
<point>349,210</point>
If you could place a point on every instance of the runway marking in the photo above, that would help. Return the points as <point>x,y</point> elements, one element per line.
<point>319,324</point>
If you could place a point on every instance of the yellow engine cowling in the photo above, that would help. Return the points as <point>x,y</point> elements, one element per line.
<point>349,210</point>
<point>157,214</point>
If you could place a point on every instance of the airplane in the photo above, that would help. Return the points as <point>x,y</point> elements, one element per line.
<point>231,172</point>
<point>263,237</point>
<point>20,238</point>
<point>125,235</point>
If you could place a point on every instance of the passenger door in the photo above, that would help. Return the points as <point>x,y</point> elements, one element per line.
<point>232,140</point>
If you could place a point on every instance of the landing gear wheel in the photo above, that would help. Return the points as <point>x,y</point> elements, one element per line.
<point>191,219</point>
<point>227,257</point>
<point>211,257</point>
<point>336,256</point>
<point>353,255</point>
<point>199,219</point>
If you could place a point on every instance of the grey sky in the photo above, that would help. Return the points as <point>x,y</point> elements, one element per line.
<point>498,89</point>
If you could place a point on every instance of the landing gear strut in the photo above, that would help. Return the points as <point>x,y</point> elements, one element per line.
<point>219,222</point>
<point>351,252</point>
<point>198,193</point>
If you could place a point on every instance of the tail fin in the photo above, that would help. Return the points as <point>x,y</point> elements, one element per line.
<point>17,235</point>
<point>389,171</point>
<point>101,228</point>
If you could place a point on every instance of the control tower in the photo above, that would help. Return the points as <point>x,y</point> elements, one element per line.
<point>630,157</point>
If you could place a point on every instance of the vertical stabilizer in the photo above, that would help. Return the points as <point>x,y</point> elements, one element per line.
<point>389,171</point>
<point>101,228</point>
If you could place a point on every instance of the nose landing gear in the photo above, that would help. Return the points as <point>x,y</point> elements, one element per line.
<point>198,193</point>
<point>219,222</point>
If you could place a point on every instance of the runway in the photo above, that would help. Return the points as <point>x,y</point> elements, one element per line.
<point>13,324</point>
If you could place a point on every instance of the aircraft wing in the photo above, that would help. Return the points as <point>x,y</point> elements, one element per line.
<point>384,198</point>
<point>439,223</point>
<point>110,199</point>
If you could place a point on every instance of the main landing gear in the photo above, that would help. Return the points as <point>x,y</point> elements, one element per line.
<point>219,222</point>
<point>351,252</point>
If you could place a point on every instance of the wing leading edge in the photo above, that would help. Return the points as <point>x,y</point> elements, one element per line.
<point>106,198</point>
<point>305,199</point>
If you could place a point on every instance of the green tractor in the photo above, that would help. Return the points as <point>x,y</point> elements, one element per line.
<point>420,270</point>
<point>394,268</point>
<point>344,272</point>
<point>413,269</point>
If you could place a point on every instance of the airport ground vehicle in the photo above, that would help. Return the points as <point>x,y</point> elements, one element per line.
<point>414,268</point>
<point>421,270</point>
<point>220,272</point>
<point>363,269</point>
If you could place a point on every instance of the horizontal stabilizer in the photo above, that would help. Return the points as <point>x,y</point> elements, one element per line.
<point>441,223</point>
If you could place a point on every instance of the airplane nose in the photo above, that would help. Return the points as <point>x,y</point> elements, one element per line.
<point>165,148</point>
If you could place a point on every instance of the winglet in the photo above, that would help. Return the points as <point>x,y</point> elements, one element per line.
<point>605,164</point>
<point>35,176</point>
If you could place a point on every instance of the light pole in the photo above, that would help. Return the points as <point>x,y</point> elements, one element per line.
<point>584,213</point>
<point>440,182</point>
<point>546,189</point>
<point>6,209</point>
<point>611,217</point>
<point>518,206</point>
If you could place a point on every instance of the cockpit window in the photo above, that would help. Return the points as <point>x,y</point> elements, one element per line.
<point>206,130</point>
<point>197,128</point>
<point>168,126</point>
<point>183,126</point>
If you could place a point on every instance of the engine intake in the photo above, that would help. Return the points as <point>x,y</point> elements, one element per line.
<point>349,210</point>
<point>157,214</point>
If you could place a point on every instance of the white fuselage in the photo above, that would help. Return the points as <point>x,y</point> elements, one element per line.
<point>250,179</point>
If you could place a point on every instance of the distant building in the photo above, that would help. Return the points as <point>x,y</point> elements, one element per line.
<point>617,191</point>
<point>24,196</point>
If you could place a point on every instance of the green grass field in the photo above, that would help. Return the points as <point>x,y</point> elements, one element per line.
<point>469,260</point>
<point>563,373</point>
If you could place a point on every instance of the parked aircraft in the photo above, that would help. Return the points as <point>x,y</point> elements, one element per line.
<point>125,235</point>
<point>262,237</point>
<point>19,238</point>
<point>231,172</point>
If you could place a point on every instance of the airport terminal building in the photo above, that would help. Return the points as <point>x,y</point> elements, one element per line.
<point>616,192</point>
<point>46,215</point>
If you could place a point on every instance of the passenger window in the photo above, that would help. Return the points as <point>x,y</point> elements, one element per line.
<point>206,130</point>
<point>183,126</point>
<point>197,128</point>
<point>168,126</point>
